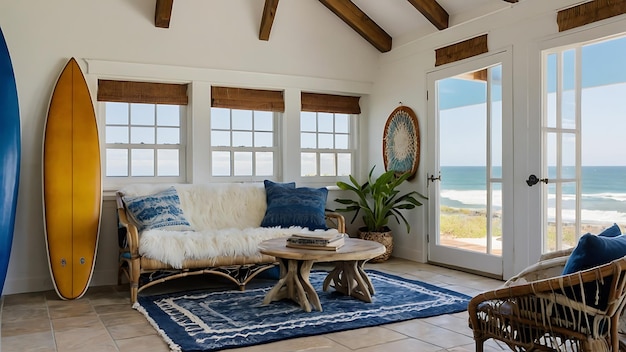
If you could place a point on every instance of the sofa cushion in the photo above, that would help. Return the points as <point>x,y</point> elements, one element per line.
<point>158,211</point>
<point>301,206</point>
<point>595,250</point>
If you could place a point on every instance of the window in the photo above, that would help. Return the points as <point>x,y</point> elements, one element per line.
<point>144,140</point>
<point>144,131</point>
<point>244,132</point>
<point>325,142</point>
<point>243,143</point>
<point>328,135</point>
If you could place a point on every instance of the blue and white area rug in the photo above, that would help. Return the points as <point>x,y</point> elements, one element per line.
<point>210,321</point>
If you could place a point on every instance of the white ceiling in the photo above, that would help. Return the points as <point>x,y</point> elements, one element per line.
<point>403,22</point>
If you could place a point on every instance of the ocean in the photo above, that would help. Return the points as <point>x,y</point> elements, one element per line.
<point>603,192</point>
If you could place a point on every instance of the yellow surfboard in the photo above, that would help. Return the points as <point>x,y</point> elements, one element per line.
<point>72,184</point>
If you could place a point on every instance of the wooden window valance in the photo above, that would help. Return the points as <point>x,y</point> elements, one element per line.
<point>338,104</point>
<point>247,99</point>
<point>142,92</point>
<point>589,12</point>
<point>461,50</point>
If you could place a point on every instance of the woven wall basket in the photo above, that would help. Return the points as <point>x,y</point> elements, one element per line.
<point>385,238</point>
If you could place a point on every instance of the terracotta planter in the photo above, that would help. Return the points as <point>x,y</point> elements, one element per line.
<point>385,238</point>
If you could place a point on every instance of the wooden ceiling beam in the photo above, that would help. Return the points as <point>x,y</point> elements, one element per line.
<point>511,1</point>
<point>163,13</point>
<point>269,12</point>
<point>431,9</point>
<point>360,22</point>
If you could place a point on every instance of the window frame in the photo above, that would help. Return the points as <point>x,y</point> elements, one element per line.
<point>353,139</point>
<point>114,182</point>
<point>275,149</point>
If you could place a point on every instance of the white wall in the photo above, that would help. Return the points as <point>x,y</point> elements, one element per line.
<point>523,29</point>
<point>208,42</point>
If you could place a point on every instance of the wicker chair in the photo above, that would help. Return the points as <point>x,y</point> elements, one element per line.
<point>538,311</point>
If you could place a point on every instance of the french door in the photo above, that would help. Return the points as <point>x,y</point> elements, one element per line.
<point>583,108</point>
<point>470,133</point>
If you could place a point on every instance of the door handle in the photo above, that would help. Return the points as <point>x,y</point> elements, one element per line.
<point>533,180</point>
<point>432,178</point>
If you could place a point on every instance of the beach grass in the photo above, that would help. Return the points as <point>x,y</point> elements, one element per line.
<point>472,223</point>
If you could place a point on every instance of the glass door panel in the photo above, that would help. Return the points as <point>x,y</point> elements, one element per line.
<point>466,185</point>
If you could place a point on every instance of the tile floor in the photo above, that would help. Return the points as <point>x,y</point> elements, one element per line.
<point>103,321</point>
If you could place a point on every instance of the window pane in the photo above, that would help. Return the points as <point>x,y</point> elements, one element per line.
<point>264,164</point>
<point>308,164</point>
<point>220,163</point>
<point>325,122</point>
<point>263,121</point>
<point>168,135</point>
<point>167,162</point>
<point>308,140</point>
<point>308,121</point>
<point>116,113</point>
<point>325,141</point>
<point>242,139</point>
<point>342,123</point>
<point>263,139</point>
<point>220,119</point>
<point>551,87</point>
<point>142,135</point>
<point>341,141</point>
<point>242,119</point>
<point>568,112</point>
<point>117,162</point>
<point>142,114</point>
<point>168,115</point>
<point>344,164</point>
<point>142,162</point>
<point>243,164</point>
<point>496,121</point>
<point>327,164</point>
<point>116,134</point>
<point>220,139</point>
<point>568,153</point>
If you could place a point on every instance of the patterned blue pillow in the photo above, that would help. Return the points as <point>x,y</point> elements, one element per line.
<point>301,206</point>
<point>158,211</point>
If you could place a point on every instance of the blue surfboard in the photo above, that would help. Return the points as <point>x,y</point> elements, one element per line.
<point>10,150</point>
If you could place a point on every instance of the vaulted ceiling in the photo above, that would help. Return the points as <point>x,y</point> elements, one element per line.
<point>375,20</point>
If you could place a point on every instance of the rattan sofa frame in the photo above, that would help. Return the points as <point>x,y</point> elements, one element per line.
<point>143,272</point>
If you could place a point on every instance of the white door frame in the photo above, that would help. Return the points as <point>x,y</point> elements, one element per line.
<point>463,259</point>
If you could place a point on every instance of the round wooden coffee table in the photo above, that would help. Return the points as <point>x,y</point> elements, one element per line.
<point>348,276</point>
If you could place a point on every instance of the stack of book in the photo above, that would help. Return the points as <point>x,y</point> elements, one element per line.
<point>321,241</point>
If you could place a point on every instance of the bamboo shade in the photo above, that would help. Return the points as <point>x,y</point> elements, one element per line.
<point>142,92</point>
<point>338,104</point>
<point>589,12</point>
<point>461,50</point>
<point>247,99</point>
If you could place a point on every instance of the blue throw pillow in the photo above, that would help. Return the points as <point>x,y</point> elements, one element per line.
<point>158,211</point>
<point>611,231</point>
<point>270,184</point>
<point>595,250</point>
<point>301,206</point>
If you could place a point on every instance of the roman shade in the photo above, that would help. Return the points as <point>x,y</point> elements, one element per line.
<point>142,92</point>
<point>247,99</point>
<point>338,104</point>
<point>589,12</point>
<point>462,50</point>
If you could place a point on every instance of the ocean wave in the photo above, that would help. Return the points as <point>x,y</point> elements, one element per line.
<point>474,197</point>
<point>590,216</point>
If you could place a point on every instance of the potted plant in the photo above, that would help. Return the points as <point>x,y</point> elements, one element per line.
<point>378,200</point>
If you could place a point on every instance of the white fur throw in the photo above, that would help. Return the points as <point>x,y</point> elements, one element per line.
<point>173,247</point>
<point>226,219</point>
